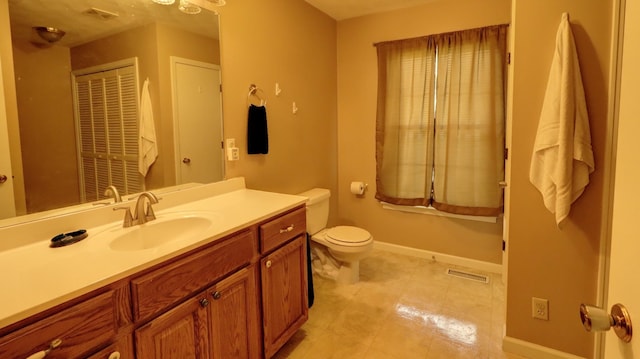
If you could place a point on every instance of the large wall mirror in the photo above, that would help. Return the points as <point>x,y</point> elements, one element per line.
<point>61,78</point>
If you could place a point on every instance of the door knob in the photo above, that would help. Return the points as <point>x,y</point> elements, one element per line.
<point>597,319</point>
<point>3,178</point>
<point>186,160</point>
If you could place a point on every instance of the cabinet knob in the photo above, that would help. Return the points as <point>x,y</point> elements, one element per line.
<point>268,264</point>
<point>204,302</point>
<point>114,355</point>
<point>216,295</point>
<point>3,178</point>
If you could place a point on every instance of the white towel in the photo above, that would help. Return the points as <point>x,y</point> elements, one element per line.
<point>562,156</point>
<point>147,145</point>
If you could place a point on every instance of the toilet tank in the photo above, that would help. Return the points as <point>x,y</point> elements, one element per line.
<point>317,209</point>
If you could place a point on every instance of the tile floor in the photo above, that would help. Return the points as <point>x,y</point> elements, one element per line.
<point>403,307</point>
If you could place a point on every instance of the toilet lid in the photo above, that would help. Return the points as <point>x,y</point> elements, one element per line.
<point>347,235</point>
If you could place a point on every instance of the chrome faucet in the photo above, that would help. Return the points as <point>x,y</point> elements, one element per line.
<point>112,191</point>
<point>140,214</point>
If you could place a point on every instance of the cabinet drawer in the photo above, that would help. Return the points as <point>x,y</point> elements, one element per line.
<point>282,229</point>
<point>123,347</point>
<point>170,284</point>
<point>81,328</point>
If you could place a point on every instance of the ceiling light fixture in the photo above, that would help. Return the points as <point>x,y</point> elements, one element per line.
<point>189,8</point>
<point>49,34</point>
<point>164,2</point>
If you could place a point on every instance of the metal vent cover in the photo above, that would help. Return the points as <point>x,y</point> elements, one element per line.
<point>468,275</point>
<point>99,13</point>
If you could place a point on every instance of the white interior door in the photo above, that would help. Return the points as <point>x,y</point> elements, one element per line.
<point>625,242</point>
<point>7,204</point>
<point>197,115</point>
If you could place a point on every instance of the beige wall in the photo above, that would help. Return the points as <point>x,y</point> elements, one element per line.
<point>47,129</point>
<point>11,108</point>
<point>357,89</point>
<point>545,262</point>
<point>292,43</point>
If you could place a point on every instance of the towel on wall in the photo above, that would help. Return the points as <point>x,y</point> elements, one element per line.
<point>257,134</point>
<point>562,155</point>
<point>147,145</point>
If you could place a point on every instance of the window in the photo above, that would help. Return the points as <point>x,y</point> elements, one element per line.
<point>441,121</point>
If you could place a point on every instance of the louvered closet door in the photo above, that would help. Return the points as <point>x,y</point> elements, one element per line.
<point>106,115</point>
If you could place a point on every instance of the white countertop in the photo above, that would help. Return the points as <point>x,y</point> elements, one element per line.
<point>36,277</point>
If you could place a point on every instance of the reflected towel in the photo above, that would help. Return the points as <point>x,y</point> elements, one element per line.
<point>147,145</point>
<point>562,156</point>
<point>257,134</point>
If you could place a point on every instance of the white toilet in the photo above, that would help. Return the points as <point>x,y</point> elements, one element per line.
<point>336,251</point>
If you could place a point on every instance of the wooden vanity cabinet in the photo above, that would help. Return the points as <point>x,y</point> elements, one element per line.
<point>283,269</point>
<point>242,296</point>
<point>219,323</point>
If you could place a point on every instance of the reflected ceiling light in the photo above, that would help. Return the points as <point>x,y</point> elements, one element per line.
<point>218,2</point>
<point>49,34</point>
<point>164,2</point>
<point>189,8</point>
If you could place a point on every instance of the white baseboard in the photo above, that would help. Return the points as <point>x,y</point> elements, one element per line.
<point>445,258</point>
<point>534,351</point>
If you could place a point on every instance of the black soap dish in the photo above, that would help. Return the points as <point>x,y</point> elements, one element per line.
<point>64,239</point>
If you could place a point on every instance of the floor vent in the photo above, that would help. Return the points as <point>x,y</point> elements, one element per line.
<point>466,275</point>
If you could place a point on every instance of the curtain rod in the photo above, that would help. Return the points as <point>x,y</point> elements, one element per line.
<point>441,34</point>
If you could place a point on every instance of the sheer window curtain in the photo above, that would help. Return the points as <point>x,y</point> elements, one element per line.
<point>404,127</point>
<point>470,122</point>
<point>451,159</point>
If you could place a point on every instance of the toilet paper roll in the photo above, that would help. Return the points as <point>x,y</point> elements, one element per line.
<point>357,188</point>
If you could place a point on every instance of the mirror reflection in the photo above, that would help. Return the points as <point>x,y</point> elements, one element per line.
<point>80,67</point>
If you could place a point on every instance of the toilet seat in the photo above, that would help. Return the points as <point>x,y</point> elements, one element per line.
<point>348,236</point>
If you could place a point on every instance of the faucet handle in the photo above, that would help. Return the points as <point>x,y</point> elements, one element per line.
<point>128,218</point>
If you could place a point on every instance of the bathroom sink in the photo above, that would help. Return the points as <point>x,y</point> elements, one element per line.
<point>159,231</point>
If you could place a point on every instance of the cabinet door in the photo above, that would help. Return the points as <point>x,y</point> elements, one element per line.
<point>284,294</point>
<point>234,317</point>
<point>181,333</point>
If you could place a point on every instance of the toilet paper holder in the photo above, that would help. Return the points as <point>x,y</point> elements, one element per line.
<point>597,319</point>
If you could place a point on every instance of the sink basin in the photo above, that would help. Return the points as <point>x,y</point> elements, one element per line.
<point>159,231</point>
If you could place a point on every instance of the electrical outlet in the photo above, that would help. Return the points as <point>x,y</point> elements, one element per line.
<point>231,142</point>
<point>540,308</point>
